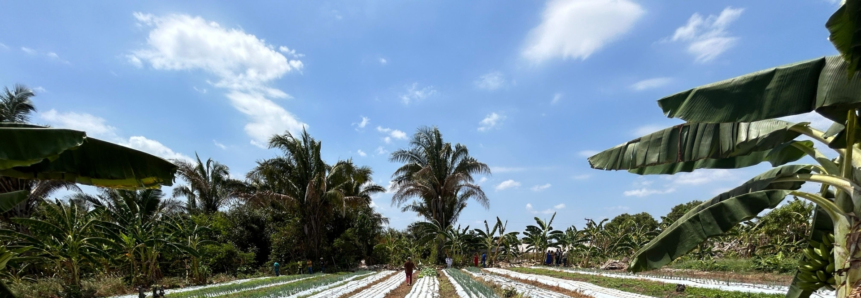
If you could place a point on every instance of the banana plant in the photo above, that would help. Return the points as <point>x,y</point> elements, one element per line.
<point>487,238</point>
<point>731,124</point>
<point>541,236</point>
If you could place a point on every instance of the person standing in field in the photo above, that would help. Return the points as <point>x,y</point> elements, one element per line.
<point>448,261</point>
<point>475,259</point>
<point>408,269</point>
<point>322,266</point>
<point>277,269</point>
<point>310,267</point>
<point>483,260</point>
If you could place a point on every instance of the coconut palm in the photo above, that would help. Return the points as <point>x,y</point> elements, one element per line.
<point>209,185</point>
<point>15,104</point>
<point>438,175</point>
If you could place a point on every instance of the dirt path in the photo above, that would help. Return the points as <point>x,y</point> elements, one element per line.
<point>402,290</point>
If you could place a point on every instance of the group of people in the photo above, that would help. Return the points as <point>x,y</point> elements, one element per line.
<point>557,258</point>
<point>309,267</point>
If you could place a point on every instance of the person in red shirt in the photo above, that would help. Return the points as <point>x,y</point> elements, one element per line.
<point>408,269</point>
<point>475,259</point>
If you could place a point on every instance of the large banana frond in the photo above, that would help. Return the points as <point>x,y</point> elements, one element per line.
<point>691,146</point>
<point>717,216</point>
<point>845,26</point>
<point>10,199</point>
<point>820,85</point>
<point>35,152</point>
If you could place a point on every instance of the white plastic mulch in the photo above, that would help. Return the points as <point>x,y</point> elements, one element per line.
<point>582,287</point>
<point>457,288</point>
<point>324,287</point>
<point>180,290</point>
<point>702,283</point>
<point>351,286</point>
<point>527,289</point>
<point>426,287</point>
<point>381,289</point>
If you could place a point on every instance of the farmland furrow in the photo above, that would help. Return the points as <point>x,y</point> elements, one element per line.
<point>585,288</point>
<point>186,289</point>
<point>457,288</point>
<point>526,289</point>
<point>699,283</point>
<point>381,289</point>
<point>324,287</point>
<point>351,286</point>
<point>426,287</point>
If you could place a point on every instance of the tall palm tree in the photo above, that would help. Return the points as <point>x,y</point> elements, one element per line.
<point>302,181</point>
<point>15,104</point>
<point>439,175</point>
<point>209,185</point>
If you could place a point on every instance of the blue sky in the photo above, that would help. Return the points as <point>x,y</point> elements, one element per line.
<point>531,87</point>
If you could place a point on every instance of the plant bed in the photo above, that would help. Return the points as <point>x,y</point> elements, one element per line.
<point>383,288</point>
<point>508,287</point>
<point>425,287</point>
<point>638,286</point>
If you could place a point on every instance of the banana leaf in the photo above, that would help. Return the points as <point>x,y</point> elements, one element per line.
<point>68,155</point>
<point>717,216</point>
<point>691,146</point>
<point>10,199</point>
<point>822,85</point>
<point>845,28</point>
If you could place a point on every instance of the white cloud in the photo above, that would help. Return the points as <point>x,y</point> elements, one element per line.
<point>383,61</point>
<point>702,176</point>
<point>3,46</point>
<point>707,37</point>
<point>577,28</point>
<point>582,177</point>
<point>556,98</point>
<point>491,121</point>
<point>507,184</point>
<point>361,124</point>
<point>490,81</point>
<point>646,129</point>
<point>538,188</point>
<point>361,153</point>
<point>482,180</point>
<point>290,52</point>
<point>651,83</point>
<point>97,127</point>
<point>588,153</point>
<point>530,209</point>
<point>647,192</point>
<point>506,169</point>
<point>392,133</point>
<point>414,93</point>
<point>201,90</point>
<point>381,151</point>
<point>54,56</point>
<point>28,50</point>
<point>92,125</point>
<point>219,145</point>
<point>155,148</point>
<point>134,61</point>
<point>243,64</point>
<point>40,89</point>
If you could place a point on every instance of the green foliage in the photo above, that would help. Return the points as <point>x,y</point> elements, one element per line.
<point>226,258</point>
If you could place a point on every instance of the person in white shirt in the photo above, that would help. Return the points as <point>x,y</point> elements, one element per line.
<point>448,261</point>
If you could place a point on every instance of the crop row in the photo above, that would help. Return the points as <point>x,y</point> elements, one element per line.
<point>298,288</point>
<point>467,287</point>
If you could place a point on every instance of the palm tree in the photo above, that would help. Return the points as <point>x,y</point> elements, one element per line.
<point>15,104</point>
<point>438,175</point>
<point>301,180</point>
<point>209,185</point>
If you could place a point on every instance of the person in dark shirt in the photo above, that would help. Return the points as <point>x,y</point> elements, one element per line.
<point>483,260</point>
<point>277,269</point>
<point>408,269</point>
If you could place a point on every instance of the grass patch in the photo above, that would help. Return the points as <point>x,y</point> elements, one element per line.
<point>446,289</point>
<point>752,265</point>
<point>645,287</point>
